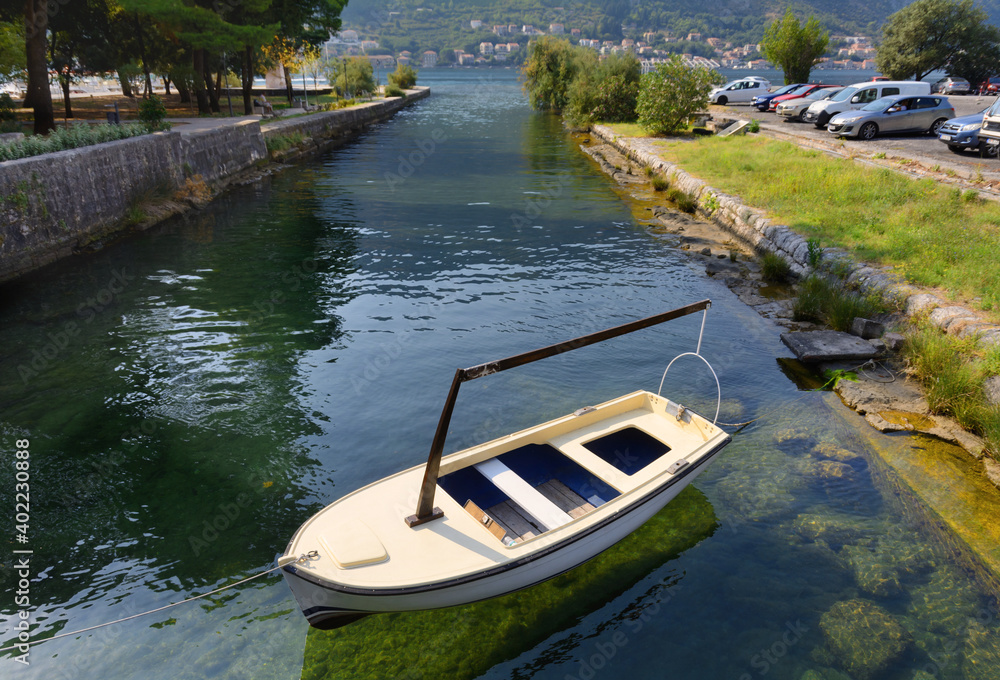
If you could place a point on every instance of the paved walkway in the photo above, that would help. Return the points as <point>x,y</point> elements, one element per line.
<point>200,124</point>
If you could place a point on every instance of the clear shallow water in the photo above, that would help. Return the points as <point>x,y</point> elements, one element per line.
<point>193,394</point>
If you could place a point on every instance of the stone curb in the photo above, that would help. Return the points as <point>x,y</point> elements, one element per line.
<point>754,229</point>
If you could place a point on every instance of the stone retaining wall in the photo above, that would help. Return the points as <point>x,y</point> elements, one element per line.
<point>753,228</point>
<point>55,204</point>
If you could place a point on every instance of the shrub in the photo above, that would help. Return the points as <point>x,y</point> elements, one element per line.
<point>660,183</point>
<point>69,138</point>
<point>774,267</point>
<point>828,301</point>
<point>393,91</point>
<point>354,76</point>
<point>671,94</point>
<point>551,68</point>
<point>682,200</point>
<point>404,77</point>
<point>754,126</point>
<point>153,113</point>
<point>8,117</point>
<point>603,91</point>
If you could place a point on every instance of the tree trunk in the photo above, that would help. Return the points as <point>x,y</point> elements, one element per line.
<point>288,83</point>
<point>213,96</point>
<point>166,86</point>
<point>247,81</point>
<point>184,91</point>
<point>200,91</point>
<point>126,85</point>
<point>142,55</point>
<point>36,22</point>
<point>65,80</point>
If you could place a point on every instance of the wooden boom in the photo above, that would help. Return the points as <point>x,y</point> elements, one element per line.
<point>426,511</point>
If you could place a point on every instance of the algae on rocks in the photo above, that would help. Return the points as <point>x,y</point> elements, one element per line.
<point>864,639</point>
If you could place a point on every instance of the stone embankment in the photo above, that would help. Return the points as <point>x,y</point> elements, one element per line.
<point>54,205</point>
<point>755,230</point>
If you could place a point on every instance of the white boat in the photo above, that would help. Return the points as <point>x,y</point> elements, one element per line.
<point>510,513</point>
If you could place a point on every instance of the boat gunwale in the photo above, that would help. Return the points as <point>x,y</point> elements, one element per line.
<point>513,439</point>
<point>532,555</point>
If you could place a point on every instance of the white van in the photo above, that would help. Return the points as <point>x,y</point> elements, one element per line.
<point>855,96</point>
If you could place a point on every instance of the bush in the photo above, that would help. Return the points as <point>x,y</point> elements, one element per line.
<point>603,91</point>
<point>153,113</point>
<point>393,91</point>
<point>354,76</point>
<point>404,77</point>
<point>683,201</point>
<point>828,301</point>
<point>550,70</point>
<point>671,94</point>
<point>8,118</point>
<point>660,183</point>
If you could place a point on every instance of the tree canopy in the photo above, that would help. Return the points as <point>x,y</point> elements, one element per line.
<point>794,48</point>
<point>931,34</point>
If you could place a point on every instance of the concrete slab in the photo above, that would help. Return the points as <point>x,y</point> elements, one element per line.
<point>737,128</point>
<point>811,346</point>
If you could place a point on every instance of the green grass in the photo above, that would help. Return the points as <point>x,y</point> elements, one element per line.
<point>953,371</point>
<point>282,142</point>
<point>682,200</point>
<point>933,235</point>
<point>774,267</point>
<point>660,183</point>
<point>828,301</point>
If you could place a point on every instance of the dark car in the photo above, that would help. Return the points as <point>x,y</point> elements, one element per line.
<point>963,133</point>
<point>761,101</point>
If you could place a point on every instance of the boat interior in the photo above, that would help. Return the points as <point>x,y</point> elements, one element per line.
<point>534,488</point>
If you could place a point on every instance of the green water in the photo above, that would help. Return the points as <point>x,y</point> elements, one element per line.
<point>191,395</point>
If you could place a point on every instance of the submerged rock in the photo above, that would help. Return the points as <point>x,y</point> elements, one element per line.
<point>831,451</point>
<point>864,638</point>
<point>872,574</point>
<point>982,653</point>
<point>834,530</point>
<point>830,470</point>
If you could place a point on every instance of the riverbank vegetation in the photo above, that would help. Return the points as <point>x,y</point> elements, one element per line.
<point>72,137</point>
<point>934,236</point>
<point>954,372</point>
<point>585,88</point>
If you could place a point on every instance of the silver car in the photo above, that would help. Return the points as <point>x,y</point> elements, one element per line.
<point>952,85</point>
<point>898,113</point>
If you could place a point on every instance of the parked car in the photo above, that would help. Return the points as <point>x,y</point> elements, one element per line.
<point>761,100</point>
<point>963,133</point>
<point>952,85</point>
<point>899,113</point>
<point>803,91</point>
<point>793,109</point>
<point>990,86</point>
<point>857,95</point>
<point>990,131</point>
<point>742,90</point>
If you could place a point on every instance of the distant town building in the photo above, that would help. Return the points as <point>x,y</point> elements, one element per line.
<point>512,29</point>
<point>369,45</point>
<point>501,48</point>
<point>649,37</point>
<point>348,36</point>
<point>557,29</point>
<point>429,59</point>
<point>403,61</point>
<point>486,48</point>
<point>513,47</point>
<point>476,24</point>
<point>696,37</point>
<point>575,32</point>
<point>500,56</point>
<point>501,30</point>
<point>588,42</point>
<point>466,59</point>
<point>382,61</point>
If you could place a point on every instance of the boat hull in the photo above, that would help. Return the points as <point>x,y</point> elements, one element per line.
<point>327,604</point>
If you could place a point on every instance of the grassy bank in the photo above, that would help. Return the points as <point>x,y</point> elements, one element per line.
<point>935,236</point>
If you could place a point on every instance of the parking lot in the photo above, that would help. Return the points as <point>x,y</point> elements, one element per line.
<point>927,153</point>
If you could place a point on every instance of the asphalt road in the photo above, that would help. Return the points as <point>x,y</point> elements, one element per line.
<point>922,147</point>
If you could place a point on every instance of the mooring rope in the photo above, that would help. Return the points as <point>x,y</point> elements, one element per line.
<point>302,558</point>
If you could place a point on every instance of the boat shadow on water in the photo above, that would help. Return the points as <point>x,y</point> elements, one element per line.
<point>390,645</point>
